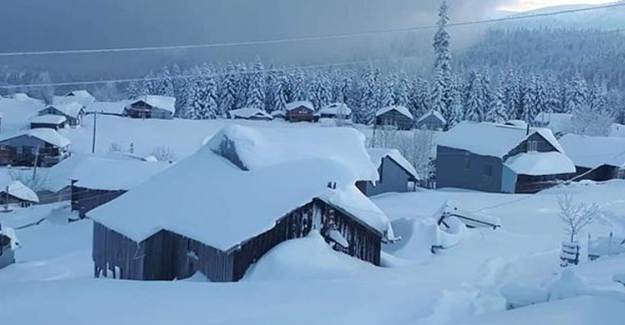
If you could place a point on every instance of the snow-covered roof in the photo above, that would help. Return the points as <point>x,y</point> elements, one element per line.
<point>165,103</point>
<point>264,146</point>
<point>378,154</point>
<point>591,152</point>
<point>434,113</point>
<point>114,174</point>
<point>224,205</point>
<point>49,119</point>
<point>557,122</point>
<point>491,139</point>
<point>400,109</point>
<point>108,107</point>
<point>16,113</point>
<point>72,109</point>
<point>293,105</point>
<point>82,97</point>
<point>48,135</point>
<point>22,97</point>
<point>278,113</point>
<point>248,112</point>
<point>20,191</point>
<point>335,109</point>
<point>540,163</point>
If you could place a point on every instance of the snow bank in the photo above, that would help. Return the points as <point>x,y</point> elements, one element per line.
<point>540,163</point>
<point>305,259</point>
<point>568,285</point>
<point>519,295</point>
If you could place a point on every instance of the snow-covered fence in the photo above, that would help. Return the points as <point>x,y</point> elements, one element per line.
<point>569,254</point>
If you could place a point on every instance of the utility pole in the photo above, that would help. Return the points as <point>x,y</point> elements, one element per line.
<point>35,164</point>
<point>95,126</point>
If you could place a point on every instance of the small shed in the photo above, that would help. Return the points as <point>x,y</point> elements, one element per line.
<point>41,147</point>
<point>396,173</point>
<point>335,111</point>
<point>152,107</point>
<point>432,120</point>
<point>249,113</point>
<point>596,158</point>
<point>72,111</point>
<point>97,180</point>
<point>263,198</point>
<point>300,111</point>
<point>16,193</point>
<point>395,116</point>
<point>55,122</point>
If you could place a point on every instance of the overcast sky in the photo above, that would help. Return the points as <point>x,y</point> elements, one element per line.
<point>523,5</point>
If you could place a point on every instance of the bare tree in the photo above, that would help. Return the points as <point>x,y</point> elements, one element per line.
<point>576,216</point>
<point>164,153</point>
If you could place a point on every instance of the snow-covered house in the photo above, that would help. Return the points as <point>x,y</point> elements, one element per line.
<point>300,111</point>
<point>494,157</point>
<point>395,116</point>
<point>432,120</point>
<point>558,123</point>
<point>97,180</point>
<point>247,190</point>
<point>152,106</point>
<point>82,97</point>
<point>335,111</point>
<point>596,158</point>
<point>108,108</point>
<point>17,112</point>
<point>7,247</point>
<point>15,192</point>
<point>278,114</point>
<point>72,111</point>
<point>249,113</point>
<point>48,121</point>
<point>396,173</point>
<point>43,147</point>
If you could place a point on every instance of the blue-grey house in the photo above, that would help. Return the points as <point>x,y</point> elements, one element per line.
<point>395,116</point>
<point>500,158</point>
<point>396,173</point>
<point>432,120</point>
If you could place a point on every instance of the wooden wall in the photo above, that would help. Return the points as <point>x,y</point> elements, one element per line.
<point>85,199</point>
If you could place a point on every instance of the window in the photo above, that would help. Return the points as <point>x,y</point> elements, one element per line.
<point>488,170</point>
<point>532,146</point>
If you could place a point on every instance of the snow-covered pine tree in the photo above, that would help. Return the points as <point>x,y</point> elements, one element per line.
<point>136,89</point>
<point>241,86</point>
<point>299,91</point>
<point>576,94</point>
<point>369,97</point>
<point>164,85</point>
<point>320,92</point>
<point>401,90</point>
<point>180,85</point>
<point>419,97</point>
<point>279,94</point>
<point>441,95</point>
<point>256,89</point>
<point>497,109</point>
<point>473,98</point>
<point>228,91</point>
<point>385,92</point>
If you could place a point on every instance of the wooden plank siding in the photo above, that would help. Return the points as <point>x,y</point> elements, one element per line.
<point>86,199</point>
<point>396,119</point>
<point>300,114</point>
<point>167,255</point>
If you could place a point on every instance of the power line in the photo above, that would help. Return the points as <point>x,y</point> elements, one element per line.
<point>307,38</point>
<point>191,76</point>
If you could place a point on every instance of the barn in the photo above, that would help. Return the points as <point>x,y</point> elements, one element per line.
<point>300,111</point>
<point>249,113</point>
<point>395,116</point>
<point>55,122</point>
<point>500,158</point>
<point>432,120</point>
<point>16,193</point>
<point>41,147</point>
<point>72,111</point>
<point>152,107</point>
<point>98,180</point>
<point>596,158</point>
<point>396,174</point>
<point>247,190</point>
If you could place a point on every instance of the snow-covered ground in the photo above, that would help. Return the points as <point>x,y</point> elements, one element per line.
<point>305,282</point>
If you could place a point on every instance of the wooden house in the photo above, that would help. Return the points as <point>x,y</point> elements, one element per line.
<point>432,120</point>
<point>596,158</point>
<point>41,147</point>
<point>7,256</point>
<point>152,106</point>
<point>16,193</point>
<point>500,158</point>
<point>395,116</point>
<point>396,173</point>
<point>98,180</point>
<point>72,111</point>
<point>248,113</point>
<point>335,111</point>
<point>300,111</point>
<point>261,198</point>
<point>54,122</point>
